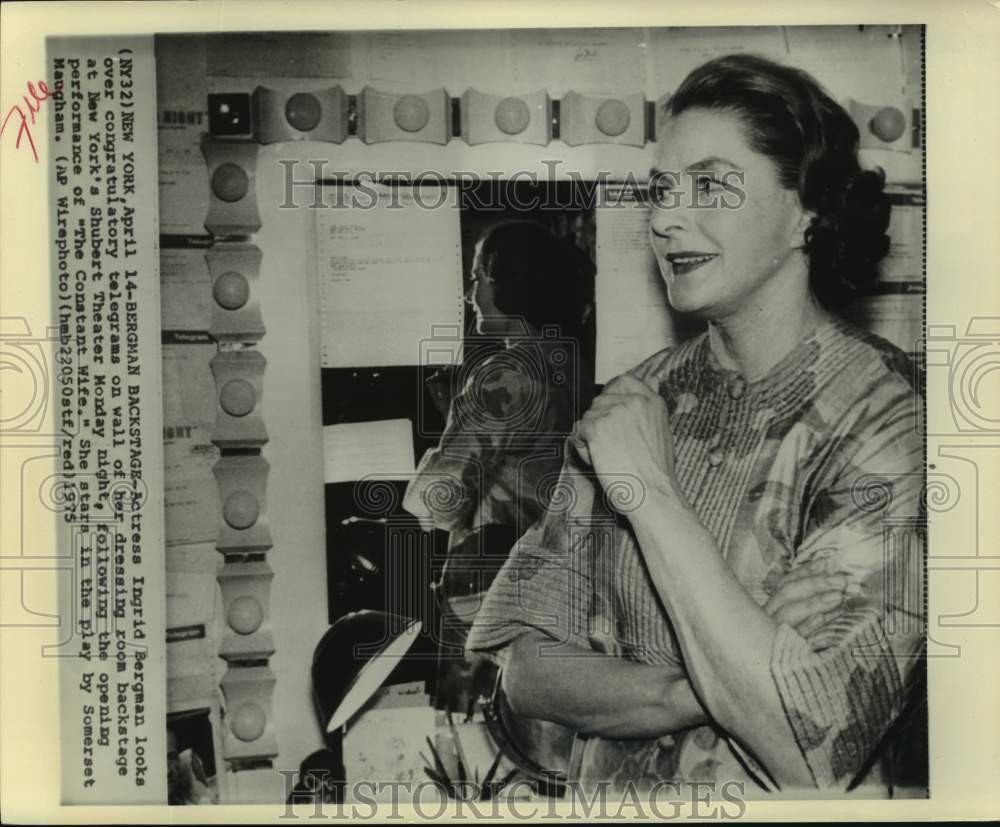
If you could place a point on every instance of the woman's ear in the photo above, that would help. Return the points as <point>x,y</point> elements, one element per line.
<point>799,231</point>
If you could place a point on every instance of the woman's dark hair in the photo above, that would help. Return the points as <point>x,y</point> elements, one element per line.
<point>813,143</point>
<point>544,279</point>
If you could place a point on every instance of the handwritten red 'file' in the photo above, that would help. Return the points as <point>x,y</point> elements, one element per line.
<point>33,101</point>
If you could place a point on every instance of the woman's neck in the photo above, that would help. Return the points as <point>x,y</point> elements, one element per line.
<point>762,333</point>
<point>522,331</point>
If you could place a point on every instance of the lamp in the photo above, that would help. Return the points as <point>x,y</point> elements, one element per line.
<point>357,655</point>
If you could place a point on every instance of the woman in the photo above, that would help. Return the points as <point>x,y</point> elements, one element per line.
<point>777,449</point>
<point>502,448</point>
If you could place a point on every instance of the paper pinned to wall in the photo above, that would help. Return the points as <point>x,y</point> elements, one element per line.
<point>672,52</point>
<point>513,61</point>
<point>633,317</point>
<point>368,450</point>
<point>453,59</point>
<point>185,287</point>
<point>190,491</point>
<point>590,61</point>
<point>905,259</point>
<point>280,54</point>
<point>849,59</point>
<point>390,271</point>
<point>896,317</point>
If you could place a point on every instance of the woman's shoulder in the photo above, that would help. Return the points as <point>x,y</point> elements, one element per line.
<point>523,375</point>
<point>522,367</point>
<point>887,357</point>
<point>861,364</point>
<point>863,398</point>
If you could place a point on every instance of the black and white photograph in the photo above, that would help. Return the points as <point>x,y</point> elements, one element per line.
<point>620,381</point>
<point>502,419</point>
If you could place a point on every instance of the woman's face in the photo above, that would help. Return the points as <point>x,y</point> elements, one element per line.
<point>489,319</point>
<point>717,250</point>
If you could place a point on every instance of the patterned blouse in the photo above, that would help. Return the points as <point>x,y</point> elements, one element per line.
<point>501,451</point>
<point>818,460</point>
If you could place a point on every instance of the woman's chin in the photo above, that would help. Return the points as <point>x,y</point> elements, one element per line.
<point>491,326</point>
<point>684,301</point>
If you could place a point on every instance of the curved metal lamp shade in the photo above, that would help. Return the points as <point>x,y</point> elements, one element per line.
<point>354,658</point>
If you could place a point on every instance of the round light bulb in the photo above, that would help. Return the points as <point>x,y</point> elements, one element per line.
<point>512,116</point>
<point>230,182</point>
<point>241,509</point>
<point>248,722</point>
<point>231,290</point>
<point>613,117</point>
<point>411,113</point>
<point>238,397</point>
<point>302,111</point>
<point>245,615</point>
<point>888,124</point>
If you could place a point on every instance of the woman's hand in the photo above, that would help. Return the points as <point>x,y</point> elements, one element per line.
<point>625,436</point>
<point>808,598</point>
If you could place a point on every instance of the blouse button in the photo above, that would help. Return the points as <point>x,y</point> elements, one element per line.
<point>737,387</point>
<point>715,458</point>
<point>715,441</point>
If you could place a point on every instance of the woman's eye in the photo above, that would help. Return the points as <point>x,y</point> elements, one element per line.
<point>660,192</point>
<point>705,183</point>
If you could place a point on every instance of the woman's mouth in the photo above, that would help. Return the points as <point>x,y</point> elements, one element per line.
<point>687,262</point>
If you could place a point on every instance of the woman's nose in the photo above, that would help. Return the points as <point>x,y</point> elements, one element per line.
<point>668,214</point>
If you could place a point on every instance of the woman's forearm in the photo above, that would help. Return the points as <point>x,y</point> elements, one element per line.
<point>597,694</point>
<point>726,638</point>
